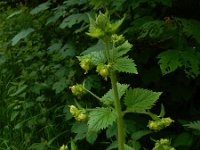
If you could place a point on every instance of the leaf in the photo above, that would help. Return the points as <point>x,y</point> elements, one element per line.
<point>169,61</point>
<point>194,125</point>
<point>20,90</point>
<point>125,65</point>
<point>101,118</point>
<point>123,49</point>
<point>127,147</point>
<point>80,128</point>
<point>72,20</point>
<point>184,139</point>
<point>67,50</point>
<point>91,136</point>
<point>191,28</point>
<point>162,111</point>
<point>60,85</point>
<point>21,35</point>
<point>40,8</point>
<point>108,99</point>
<point>14,14</point>
<point>139,100</point>
<point>139,134</point>
<point>14,114</point>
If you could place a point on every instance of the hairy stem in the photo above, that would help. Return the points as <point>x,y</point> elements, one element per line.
<point>120,126</point>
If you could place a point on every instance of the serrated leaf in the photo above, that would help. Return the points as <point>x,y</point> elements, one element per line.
<point>108,99</point>
<point>139,100</point>
<point>21,35</point>
<point>60,85</point>
<point>91,136</point>
<point>169,61</point>
<point>123,49</point>
<point>40,8</point>
<point>194,125</point>
<point>125,65</point>
<point>101,118</point>
<point>72,20</point>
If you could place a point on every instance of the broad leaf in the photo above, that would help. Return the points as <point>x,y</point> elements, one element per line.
<point>169,61</point>
<point>125,65</point>
<point>40,8</point>
<point>21,35</point>
<point>139,100</point>
<point>73,19</point>
<point>101,118</point>
<point>108,98</point>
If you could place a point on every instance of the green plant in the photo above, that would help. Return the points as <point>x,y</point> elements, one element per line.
<point>121,99</point>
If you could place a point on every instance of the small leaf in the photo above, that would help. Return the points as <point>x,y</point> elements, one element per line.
<point>21,35</point>
<point>40,8</point>
<point>162,111</point>
<point>125,65</point>
<point>108,99</point>
<point>139,100</point>
<point>101,118</point>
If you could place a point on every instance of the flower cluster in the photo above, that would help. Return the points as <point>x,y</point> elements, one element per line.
<point>79,115</point>
<point>160,123</point>
<point>163,144</point>
<point>78,89</point>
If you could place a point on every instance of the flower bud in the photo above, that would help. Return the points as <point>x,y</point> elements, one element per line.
<point>159,124</point>
<point>64,147</point>
<point>102,20</point>
<point>85,64</point>
<point>117,39</point>
<point>163,144</point>
<point>73,110</point>
<point>77,89</point>
<point>103,70</point>
<point>81,117</point>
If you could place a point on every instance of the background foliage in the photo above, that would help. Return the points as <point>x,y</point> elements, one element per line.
<point>38,44</point>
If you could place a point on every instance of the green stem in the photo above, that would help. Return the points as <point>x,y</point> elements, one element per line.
<point>94,95</point>
<point>120,126</point>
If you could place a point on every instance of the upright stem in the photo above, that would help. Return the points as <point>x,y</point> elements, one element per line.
<point>120,126</point>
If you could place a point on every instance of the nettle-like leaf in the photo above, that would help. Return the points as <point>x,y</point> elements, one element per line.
<point>73,19</point>
<point>101,118</point>
<point>191,28</point>
<point>173,59</point>
<point>123,49</point>
<point>194,125</point>
<point>21,35</point>
<point>40,8</point>
<point>108,98</point>
<point>152,29</point>
<point>125,64</point>
<point>169,61</point>
<point>139,100</point>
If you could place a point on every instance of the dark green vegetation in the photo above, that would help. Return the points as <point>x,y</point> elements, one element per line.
<point>39,42</point>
